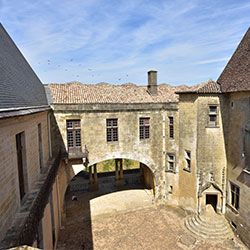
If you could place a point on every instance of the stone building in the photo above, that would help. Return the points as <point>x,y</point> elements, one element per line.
<point>235,85</point>
<point>193,143</point>
<point>28,195</point>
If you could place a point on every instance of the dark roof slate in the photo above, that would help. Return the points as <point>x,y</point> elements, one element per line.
<point>236,75</point>
<point>19,85</point>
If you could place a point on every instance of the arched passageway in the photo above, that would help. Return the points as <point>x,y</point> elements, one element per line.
<point>118,185</point>
<point>113,175</point>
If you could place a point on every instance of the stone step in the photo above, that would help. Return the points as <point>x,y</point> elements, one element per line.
<point>208,219</point>
<point>207,230</point>
<point>209,224</point>
<point>209,236</point>
<point>192,224</point>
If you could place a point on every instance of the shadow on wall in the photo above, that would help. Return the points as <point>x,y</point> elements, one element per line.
<point>56,137</point>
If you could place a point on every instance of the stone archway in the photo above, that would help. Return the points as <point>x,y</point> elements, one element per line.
<point>143,159</point>
<point>70,168</point>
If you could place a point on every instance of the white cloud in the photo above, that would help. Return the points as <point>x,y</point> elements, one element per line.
<point>185,41</point>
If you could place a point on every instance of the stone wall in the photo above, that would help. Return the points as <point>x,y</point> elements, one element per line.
<point>210,147</point>
<point>10,201</point>
<point>188,141</point>
<point>171,145</point>
<point>237,120</point>
<point>150,152</point>
<point>207,147</point>
<point>211,153</point>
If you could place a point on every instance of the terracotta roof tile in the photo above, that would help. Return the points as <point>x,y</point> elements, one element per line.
<point>76,92</point>
<point>209,87</point>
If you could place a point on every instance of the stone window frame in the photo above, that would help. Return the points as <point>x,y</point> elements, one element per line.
<point>144,128</point>
<point>112,130</point>
<point>234,198</point>
<point>171,127</point>
<point>73,127</point>
<point>170,161</point>
<point>214,114</point>
<point>188,159</point>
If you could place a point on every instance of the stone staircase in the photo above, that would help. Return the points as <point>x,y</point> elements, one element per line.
<point>209,225</point>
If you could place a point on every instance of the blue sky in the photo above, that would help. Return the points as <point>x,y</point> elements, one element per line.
<point>118,41</point>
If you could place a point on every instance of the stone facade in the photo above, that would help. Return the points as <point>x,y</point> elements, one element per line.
<point>17,213</point>
<point>29,208</point>
<point>150,152</point>
<point>237,120</point>
<point>208,147</point>
<point>10,201</point>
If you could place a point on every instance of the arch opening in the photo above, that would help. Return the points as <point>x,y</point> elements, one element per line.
<point>113,175</point>
<point>105,188</point>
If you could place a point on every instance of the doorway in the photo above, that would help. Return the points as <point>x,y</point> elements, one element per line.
<point>212,200</point>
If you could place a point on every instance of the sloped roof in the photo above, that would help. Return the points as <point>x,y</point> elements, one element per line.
<point>236,75</point>
<point>19,85</point>
<point>209,87</point>
<point>70,93</point>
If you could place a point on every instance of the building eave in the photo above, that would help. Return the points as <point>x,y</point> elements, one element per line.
<point>12,112</point>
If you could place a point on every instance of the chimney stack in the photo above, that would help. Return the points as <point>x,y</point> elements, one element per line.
<point>152,82</point>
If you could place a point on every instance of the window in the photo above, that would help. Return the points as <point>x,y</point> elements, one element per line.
<point>21,164</point>
<point>212,116</point>
<point>171,127</point>
<point>235,196</point>
<point>170,162</point>
<point>112,129</point>
<point>74,134</point>
<point>188,160</point>
<point>40,146</point>
<point>144,127</point>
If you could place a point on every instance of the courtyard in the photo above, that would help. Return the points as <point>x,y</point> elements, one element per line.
<point>129,219</point>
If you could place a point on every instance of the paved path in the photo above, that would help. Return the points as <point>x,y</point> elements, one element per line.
<point>128,220</point>
<point>121,201</point>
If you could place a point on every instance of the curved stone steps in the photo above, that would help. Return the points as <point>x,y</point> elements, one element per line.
<point>218,225</point>
<point>209,231</point>
<point>209,225</point>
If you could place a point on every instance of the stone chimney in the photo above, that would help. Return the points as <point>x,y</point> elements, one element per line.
<point>152,82</point>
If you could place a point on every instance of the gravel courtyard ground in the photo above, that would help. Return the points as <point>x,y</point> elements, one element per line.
<point>129,220</point>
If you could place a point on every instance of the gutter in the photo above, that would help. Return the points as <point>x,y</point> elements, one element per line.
<point>12,112</point>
